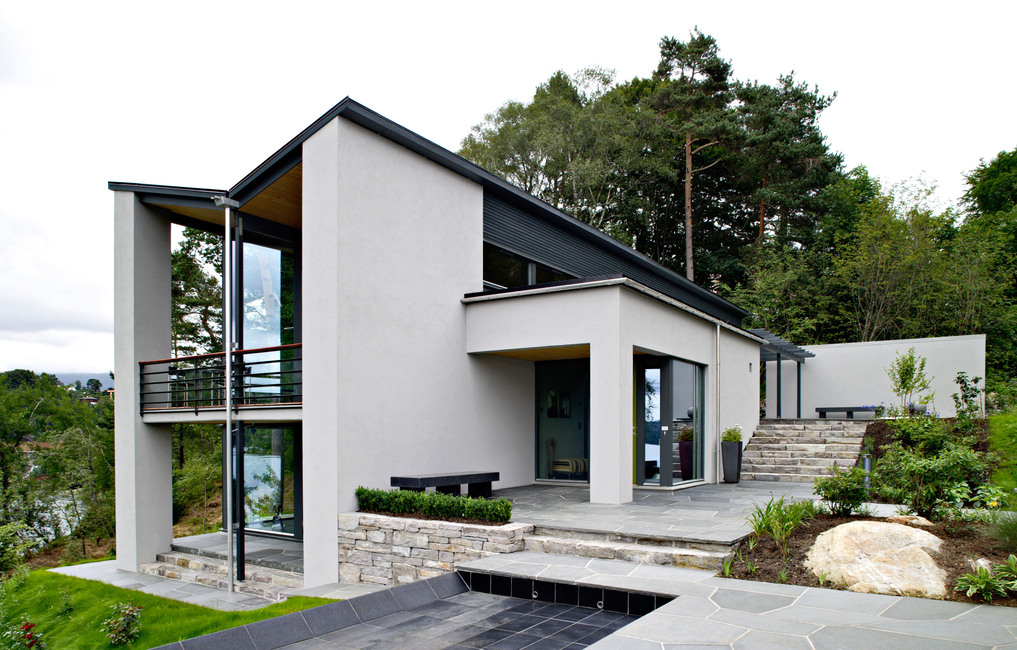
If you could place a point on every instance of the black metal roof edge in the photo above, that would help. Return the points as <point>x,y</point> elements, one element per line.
<point>167,190</point>
<point>284,159</point>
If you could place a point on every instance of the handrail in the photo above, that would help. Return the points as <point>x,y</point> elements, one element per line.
<point>209,355</point>
<point>198,381</point>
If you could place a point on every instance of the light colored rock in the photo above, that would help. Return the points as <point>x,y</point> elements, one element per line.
<point>910,520</point>
<point>882,558</point>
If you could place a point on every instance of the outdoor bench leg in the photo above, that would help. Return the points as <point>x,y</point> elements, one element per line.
<point>482,489</point>
<point>851,415</point>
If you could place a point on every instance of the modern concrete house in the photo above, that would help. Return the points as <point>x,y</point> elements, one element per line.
<point>400,310</point>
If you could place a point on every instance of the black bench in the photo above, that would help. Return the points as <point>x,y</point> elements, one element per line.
<point>849,410</point>
<point>479,482</point>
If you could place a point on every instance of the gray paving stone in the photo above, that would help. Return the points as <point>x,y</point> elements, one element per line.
<point>689,606</point>
<point>618,641</point>
<point>755,587</point>
<point>759,640</point>
<point>947,630</point>
<point>989,614</point>
<point>824,616</point>
<point>745,601</point>
<point>566,574</point>
<point>923,609</point>
<point>835,637</point>
<point>850,601</point>
<point>667,629</point>
<point>764,623</point>
<point>330,617</point>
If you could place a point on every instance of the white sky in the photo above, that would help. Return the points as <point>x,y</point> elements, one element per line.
<point>199,93</point>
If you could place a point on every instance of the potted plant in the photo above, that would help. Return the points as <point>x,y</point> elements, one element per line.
<point>685,445</point>
<point>731,451</point>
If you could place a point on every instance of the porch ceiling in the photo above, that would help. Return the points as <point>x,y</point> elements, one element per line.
<point>556,353</point>
<point>282,201</point>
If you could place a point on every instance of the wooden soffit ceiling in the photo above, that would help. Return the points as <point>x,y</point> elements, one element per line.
<point>281,201</point>
<point>556,353</point>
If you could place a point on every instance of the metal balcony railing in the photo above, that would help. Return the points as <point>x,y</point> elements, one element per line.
<point>261,377</point>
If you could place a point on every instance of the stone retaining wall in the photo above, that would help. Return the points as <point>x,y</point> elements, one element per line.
<point>394,550</point>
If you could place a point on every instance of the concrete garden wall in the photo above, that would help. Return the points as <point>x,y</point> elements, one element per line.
<point>395,550</point>
<point>854,374</point>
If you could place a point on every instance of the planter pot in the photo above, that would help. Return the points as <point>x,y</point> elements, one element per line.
<point>685,458</point>
<point>732,456</point>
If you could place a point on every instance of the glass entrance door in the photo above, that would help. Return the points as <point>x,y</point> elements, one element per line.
<point>669,421</point>
<point>563,440</point>
<point>272,485</point>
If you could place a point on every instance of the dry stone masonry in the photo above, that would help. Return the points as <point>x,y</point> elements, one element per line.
<point>392,550</point>
<point>801,450</point>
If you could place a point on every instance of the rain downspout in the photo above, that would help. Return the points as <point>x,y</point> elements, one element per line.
<point>228,206</point>
<point>716,393</point>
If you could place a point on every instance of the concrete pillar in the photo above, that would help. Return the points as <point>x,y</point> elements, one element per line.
<point>321,363</point>
<point>611,419</point>
<point>141,280</point>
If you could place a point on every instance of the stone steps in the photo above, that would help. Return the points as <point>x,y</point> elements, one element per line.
<point>801,450</point>
<point>629,552</point>
<point>272,584</point>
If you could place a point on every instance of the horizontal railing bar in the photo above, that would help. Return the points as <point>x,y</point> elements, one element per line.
<point>212,355</point>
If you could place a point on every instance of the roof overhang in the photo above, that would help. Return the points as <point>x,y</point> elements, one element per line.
<point>777,348</point>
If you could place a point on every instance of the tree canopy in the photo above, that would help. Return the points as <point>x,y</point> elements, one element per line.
<point>734,184</point>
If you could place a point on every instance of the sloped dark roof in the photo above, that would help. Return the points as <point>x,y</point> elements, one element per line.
<point>291,154</point>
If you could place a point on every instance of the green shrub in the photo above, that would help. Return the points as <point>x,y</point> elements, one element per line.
<point>14,636</point>
<point>968,402</point>
<point>778,519</point>
<point>907,376</point>
<point>1005,531</point>
<point>927,433</point>
<point>981,584</point>
<point>924,483</point>
<point>732,434</point>
<point>436,505</point>
<point>124,625</point>
<point>843,490</point>
<point>13,545</point>
<point>1007,573</point>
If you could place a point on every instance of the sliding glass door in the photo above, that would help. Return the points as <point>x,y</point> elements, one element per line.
<point>669,423</point>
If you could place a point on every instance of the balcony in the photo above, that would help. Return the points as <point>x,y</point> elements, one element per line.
<point>262,378</point>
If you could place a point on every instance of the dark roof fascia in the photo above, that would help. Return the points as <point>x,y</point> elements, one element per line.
<point>192,197</point>
<point>290,154</point>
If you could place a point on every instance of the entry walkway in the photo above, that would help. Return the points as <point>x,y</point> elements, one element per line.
<point>721,612</point>
<point>707,513</point>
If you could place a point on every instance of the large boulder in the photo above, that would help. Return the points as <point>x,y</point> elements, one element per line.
<point>881,558</point>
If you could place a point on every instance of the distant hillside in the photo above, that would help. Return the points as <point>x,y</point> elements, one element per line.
<point>68,378</point>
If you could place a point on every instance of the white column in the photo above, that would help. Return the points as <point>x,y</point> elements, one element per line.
<point>144,498</point>
<point>610,418</point>
<point>321,370</point>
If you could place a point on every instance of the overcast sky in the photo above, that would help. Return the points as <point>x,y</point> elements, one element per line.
<point>199,93</point>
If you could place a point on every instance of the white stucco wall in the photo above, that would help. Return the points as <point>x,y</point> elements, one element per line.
<point>141,305</point>
<point>615,321</point>
<point>854,374</point>
<point>391,242</point>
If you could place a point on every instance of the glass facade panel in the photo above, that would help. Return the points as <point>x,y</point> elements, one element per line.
<point>271,481</point>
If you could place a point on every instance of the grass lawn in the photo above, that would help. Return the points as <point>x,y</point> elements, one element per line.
<point>1003,441</point>
<point>45,597</point>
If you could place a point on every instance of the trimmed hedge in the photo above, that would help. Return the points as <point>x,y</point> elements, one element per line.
<point>435,505</point>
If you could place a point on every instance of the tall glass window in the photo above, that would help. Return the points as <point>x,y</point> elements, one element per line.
<point>271,479</point>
